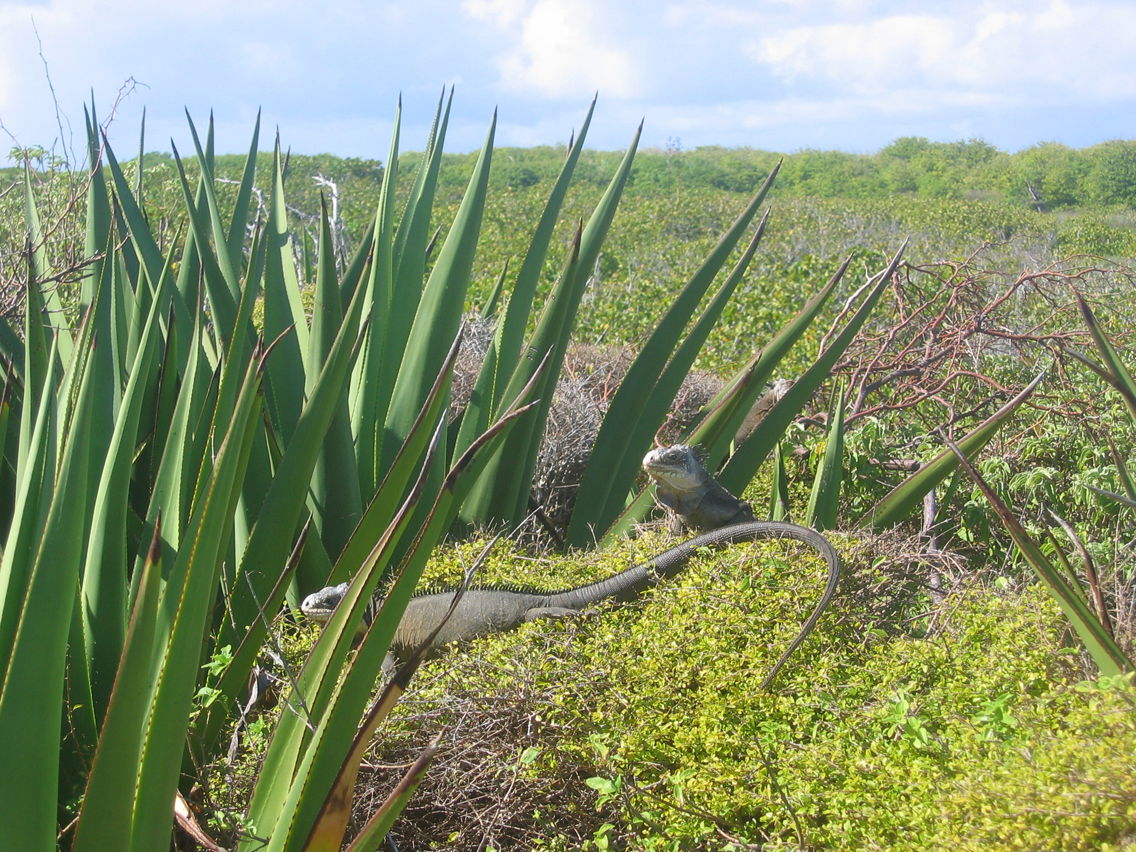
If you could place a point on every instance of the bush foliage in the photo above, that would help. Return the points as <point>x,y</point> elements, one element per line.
<point>903,724</point>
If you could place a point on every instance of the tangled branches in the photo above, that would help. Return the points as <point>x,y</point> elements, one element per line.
<point>962,337</point>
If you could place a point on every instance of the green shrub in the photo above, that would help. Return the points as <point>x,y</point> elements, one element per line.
<point>897,726</point>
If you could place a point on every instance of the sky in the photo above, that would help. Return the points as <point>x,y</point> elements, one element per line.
<point>780,75</point>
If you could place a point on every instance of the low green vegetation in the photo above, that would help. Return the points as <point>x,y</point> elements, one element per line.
<point>229,381</point>
<point>902,724</point>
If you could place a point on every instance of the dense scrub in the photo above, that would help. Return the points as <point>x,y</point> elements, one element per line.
<point>948,198</point>
<point>905,722</point>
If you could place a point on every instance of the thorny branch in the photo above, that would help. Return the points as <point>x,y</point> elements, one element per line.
<point>962,336</point>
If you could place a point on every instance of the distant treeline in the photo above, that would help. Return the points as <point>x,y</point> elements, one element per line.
<point>954,196</point>
<point>1047,176</point>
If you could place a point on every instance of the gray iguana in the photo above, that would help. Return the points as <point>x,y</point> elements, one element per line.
<point>686,489</point>
<point>492,610</point>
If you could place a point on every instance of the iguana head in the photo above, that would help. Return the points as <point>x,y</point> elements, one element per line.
<point>318,606</point>
<point>677,467</point>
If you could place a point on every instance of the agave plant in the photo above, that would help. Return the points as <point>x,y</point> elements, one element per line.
<point>172,469</point>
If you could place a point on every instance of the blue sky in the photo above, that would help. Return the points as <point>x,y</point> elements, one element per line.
<point>775,74</point>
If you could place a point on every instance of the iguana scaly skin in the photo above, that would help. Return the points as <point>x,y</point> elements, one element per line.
<point>493,610</point>
<point>686,488</point>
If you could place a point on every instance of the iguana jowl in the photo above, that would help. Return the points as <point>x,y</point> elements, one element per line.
<point>492,610</point>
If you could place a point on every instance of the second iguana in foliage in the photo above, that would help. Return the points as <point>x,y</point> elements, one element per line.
<point>481,611</point>
<point>688,491</point>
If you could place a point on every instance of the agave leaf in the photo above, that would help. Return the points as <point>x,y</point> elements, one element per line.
<point>499,495</point>
<point>1091,578</point>
<point>331,825</point>
<point>717,430</point>
<point>39,359</point>
<point>98,210</point>
<point>653,407</point>
<point>440,308</point>
<point>824,501</point>
<point>743,464</point>
<point>238,224</point>
<point>413,233</point>
<point>779,491</point>
<point>331,742</point>
<point>729,409</point>
<point>1117,374</point>
<point>1113,495</point>
<point>33,488</point>
<point>374,833</point>
<point>139,172</point>
<point>171,493</point>
<point>1127,481</point>
<point>140,234</point>
<point>227,261</point>
<point>278,519</point>
<point>502,358</point>
<point>285,321</point>
<point>294,738</point>
<point>104,581</point>
<point>187,602</point>
<point>901,501</point>
<point>1108,656</point>
<point>505,493</point>
<point>334,491</point>
<point>368,402</point>
<point>220,279</point>
<point>391,491</point>
<point>409,270</point>
<point>496,293</point>
<point>331,822</point>
<point>33,683</point>
<point>54,316</point>
<point>107,814</point>
<point>130,299</point>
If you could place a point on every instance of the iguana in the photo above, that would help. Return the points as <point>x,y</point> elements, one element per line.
<point>686,488</point>
<point>493,610</point>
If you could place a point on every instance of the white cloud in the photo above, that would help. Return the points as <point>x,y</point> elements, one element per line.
<point>560,48</point>
<point>502,13</point>
<point>1084,51</point>
<point>865,56</point>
